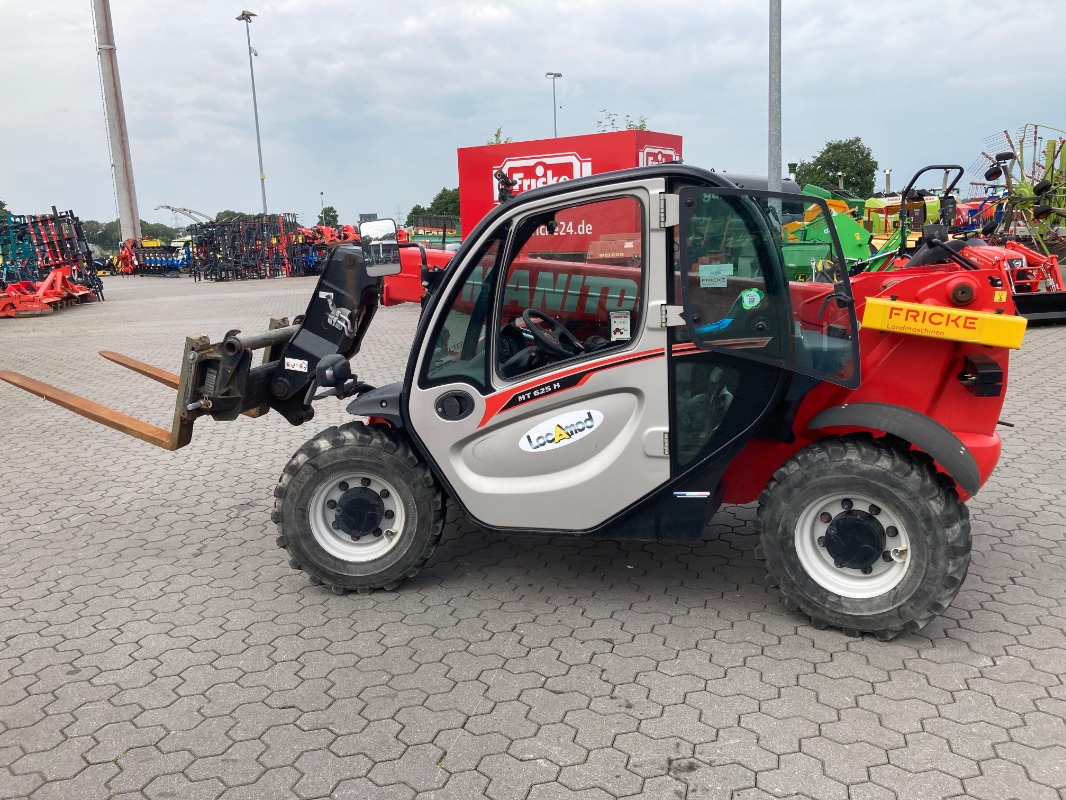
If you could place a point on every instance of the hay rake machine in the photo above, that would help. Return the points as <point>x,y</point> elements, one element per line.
<point>47,264</point>
<point>1031,223</point>
<point>249,247</point>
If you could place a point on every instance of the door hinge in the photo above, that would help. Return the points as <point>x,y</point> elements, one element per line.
<point>669,210</point>
<point>666,443</point>
<point>671,316</point>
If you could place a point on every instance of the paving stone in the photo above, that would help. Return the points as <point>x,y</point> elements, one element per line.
<point>238,766</point>
<point>737,746</point>
<point>649,756</point>
<point>604,769</point>
<point>848,763</point>
<point>1002,779</point>
<point>911,784</point>
<point>1045,766</point>
<point>512,779</point>
<point>464,750</point>
<point>173,653</point>
<point>798,769</point>
<point>141,765</point>
<point>925,752</point>
<point>91,783</point>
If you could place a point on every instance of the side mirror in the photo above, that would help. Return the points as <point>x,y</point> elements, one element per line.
<point>380,248</point>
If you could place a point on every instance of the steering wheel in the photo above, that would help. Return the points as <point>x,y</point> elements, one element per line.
<point>558,341</point>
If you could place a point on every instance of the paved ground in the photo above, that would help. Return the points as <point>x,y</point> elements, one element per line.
<point>154,643</point>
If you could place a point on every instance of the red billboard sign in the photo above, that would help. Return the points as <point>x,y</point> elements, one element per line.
<point>548,161</point>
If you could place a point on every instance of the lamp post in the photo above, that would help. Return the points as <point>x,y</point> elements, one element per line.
<point>773,168</point>
<point>555,118</point>
<point>246,18</point>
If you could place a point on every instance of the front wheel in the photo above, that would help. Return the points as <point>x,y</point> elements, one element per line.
<point>863,537</point>
<point>357,509</point>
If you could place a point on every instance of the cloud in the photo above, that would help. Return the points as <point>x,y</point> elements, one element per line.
<point>368,102</point>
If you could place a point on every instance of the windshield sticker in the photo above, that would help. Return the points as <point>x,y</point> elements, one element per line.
<point>714,276</point>
<point>560,431</point>
<point>620,327</point>
<point>751,298</point>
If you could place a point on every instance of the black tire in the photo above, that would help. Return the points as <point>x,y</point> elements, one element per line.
<point>933,525</point>
<point>382,456</point>
<point>1041,188</point>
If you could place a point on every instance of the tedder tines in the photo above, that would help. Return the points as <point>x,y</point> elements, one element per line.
<point>664,366</point>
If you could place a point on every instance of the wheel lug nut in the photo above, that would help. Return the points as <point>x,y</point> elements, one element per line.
<point>365,482</point>
<point>886,556</point>
<point>377,532</point>
<point>875,510</point>
<point>384,492</point>
<point>355,538</point>
<point>389,514</point>
<point>846,504</point>
<point>336,525</point>
<point>891,531</point>
<point>331,504</point>
<point>821,541</point>
<point>838,564</point>
<point>343,486</point>
<point>867,570</point>
<point>825,517</point>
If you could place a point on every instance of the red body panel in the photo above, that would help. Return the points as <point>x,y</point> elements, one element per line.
<point>908,371</point>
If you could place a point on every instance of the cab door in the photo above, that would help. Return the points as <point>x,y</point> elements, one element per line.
<point>541,393</point>
<point>746,325</point>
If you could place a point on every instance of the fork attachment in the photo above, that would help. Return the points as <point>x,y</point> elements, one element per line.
<point>219,380</point>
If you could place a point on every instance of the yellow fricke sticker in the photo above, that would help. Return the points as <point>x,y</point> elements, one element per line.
<point>1000,297</point>
<point>940,322</point>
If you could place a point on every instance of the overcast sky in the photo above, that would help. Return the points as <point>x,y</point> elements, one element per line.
<point>368,101</point>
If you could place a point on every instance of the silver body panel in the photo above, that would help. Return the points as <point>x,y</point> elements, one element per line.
<point>599,469</point>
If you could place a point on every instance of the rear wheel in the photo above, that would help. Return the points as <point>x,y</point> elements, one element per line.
<point>864,537</point>
<point>357,509</point>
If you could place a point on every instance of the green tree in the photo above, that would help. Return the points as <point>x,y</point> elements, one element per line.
<point>416,211</point>
<point>104,235</point>
<point>497,138</point>
<point>157,230</point>
<point>3,207</point>
<point>329,217</point>
<point>446,202</point>
<point>849,156</point>
<point>609,122</point>
<point>229,216</point>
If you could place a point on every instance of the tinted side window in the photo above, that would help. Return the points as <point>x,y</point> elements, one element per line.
<point>581,267</point>
<point>457,346</point>
<point>768,289</point>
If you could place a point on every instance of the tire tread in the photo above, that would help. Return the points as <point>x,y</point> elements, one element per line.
<point>914,468</point>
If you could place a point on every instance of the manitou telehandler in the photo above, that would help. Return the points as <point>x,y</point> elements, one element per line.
<point>616,356</point>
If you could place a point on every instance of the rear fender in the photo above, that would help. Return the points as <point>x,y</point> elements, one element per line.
<point>924,433</point>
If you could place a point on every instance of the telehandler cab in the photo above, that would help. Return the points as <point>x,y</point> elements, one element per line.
<point>618,355</point>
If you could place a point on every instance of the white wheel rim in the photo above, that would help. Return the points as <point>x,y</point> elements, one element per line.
<point>852,583</point>
<point>339,544</point>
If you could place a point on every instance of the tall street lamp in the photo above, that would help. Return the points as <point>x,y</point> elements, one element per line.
<point>555,118</point>
<point>246,18</point>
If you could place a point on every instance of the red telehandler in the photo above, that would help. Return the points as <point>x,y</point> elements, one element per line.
<point>629,390</point>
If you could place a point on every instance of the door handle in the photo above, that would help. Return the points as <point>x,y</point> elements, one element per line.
<point>454,405</point>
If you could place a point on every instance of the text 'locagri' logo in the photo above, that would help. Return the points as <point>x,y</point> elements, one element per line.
<point>560,431</point>
<point>533,171</point>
